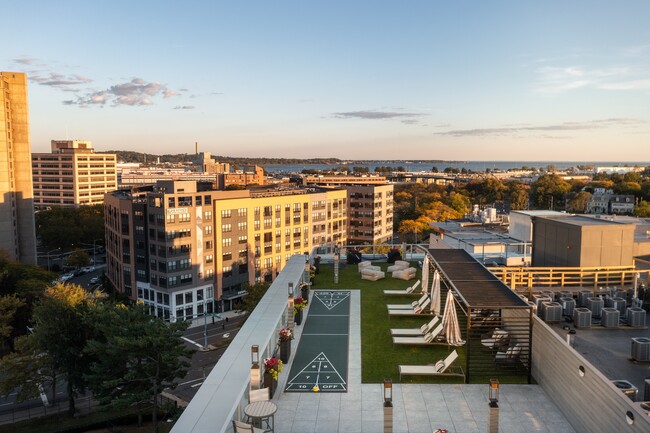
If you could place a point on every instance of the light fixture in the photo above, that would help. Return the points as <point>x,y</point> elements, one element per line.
<point>581,371</point>
<point>255,355</point>
<point>290,289</point>
<point>629,417</point>
<point>494,391</point>
<point>388,391</point>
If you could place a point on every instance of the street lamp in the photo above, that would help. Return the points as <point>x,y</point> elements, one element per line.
<point>493,407</point>
<point>48,257</point>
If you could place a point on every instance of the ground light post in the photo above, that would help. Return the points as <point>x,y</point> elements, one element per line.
<point>255,367</point>
<point>336,267</point>
<point>493,407</point>
<point>388,406</point>
<point>290,318</point>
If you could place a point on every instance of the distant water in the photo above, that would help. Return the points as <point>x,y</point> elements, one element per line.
<point>479,166</point>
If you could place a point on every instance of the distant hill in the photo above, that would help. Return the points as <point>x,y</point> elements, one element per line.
<point>130,156</point>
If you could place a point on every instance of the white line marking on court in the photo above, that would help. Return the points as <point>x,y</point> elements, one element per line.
<point>197,384</point>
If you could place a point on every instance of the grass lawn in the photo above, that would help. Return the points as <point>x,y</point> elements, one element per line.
<point>379,357</point>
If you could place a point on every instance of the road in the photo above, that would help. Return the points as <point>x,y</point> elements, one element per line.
<point>219,333</point>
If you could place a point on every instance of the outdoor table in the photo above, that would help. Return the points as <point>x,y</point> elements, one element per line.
<point>260,410</point>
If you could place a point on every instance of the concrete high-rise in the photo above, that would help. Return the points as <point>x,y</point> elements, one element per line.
<point>17,231</point>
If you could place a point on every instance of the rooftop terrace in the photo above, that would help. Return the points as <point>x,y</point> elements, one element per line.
<point>420,404</point>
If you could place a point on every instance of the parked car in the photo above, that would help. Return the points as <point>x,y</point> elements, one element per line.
<point>94,280</point>
<point>88,269</point>
<point>66,277</point>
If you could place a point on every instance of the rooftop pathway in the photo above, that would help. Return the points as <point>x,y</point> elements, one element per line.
<point>416,408</point>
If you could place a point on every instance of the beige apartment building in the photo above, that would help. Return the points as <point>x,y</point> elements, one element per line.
<point>17,232</point>
<point>184,248</point>
<point>72,175</point>
<point>370,204</point>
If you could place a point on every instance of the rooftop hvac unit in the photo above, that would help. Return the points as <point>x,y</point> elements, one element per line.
<point>551,312</point>
<point>560,295</point>
<point>641,350</point>
<point>595,305</point>
<point>539,300</point>
<point>610,317</point>
<point>584,296</point>
<point>620,294</point>
<point>628,389</point>
<point>619,303</point>
<point>635,317</point>
<point>646,386</point>
<point>645,406</point>
<point>568,305</point>
<point>582,317</point>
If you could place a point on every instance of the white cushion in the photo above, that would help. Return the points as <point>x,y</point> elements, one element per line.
<point>440,365</point>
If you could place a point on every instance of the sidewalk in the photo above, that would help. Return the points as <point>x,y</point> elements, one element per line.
<point>200,321</point>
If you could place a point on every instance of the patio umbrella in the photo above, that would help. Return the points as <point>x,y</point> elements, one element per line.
<point>450,326</point>
<point>435,293</point>
<point>425,272</point>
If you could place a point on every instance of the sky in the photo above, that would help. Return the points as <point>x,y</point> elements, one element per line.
<point>384,80</point>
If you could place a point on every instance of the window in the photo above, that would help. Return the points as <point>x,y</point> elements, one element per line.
<point>227,271</point>
<point>257,225</point>
<point>226,256</point>
<point>226,242</point>
<point>209,258</point>
<point>243,239</point>
<point>226,228</point>
<point>184,218</point>
<point>179,299</point>
<point>188,297</point>
<point>242,212</point>
<point>226,213</point>
<point>198,200</point>
<point>209,273</point>
<point>207,199</point>
<point>170,218</point>
<point>207,215</point>
<point>242,226</point>
<point>207,230</point>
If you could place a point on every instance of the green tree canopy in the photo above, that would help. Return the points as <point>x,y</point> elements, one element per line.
<point>66,228</point>
<point>548,192</point>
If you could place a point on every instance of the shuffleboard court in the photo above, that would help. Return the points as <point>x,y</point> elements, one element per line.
<point>321,359</point>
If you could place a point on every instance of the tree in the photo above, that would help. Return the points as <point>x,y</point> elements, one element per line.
<point>8,306</point>
<point>78,258</point>
<point>61,331</point>
<point>414,226</point>
<point>548,192</point>
<point>642,209</point>
<point>65,227</point>
<point>578,203</point>
<point>136,356</point>
<point>255,293</point>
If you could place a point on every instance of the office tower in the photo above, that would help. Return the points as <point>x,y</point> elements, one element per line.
<point>73,174</point>
<point>17,231</point>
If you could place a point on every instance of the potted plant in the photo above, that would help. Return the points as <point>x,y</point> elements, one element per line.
<point>299,304</point>
<point>285,344</point>
<point>304,291</point>
<point>272,368</point>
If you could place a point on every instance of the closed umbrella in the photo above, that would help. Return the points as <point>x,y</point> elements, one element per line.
<point>450,326</point>
<point>425,272</point>
<point>435,293</point>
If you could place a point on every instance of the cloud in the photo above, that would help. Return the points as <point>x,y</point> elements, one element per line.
<point>374,115</point>
<point>136,92</point>
<point>184,107</point>
<point>555,80</point>
<point>61,81</point>
<point>566,126</point>
<point>25,61</point>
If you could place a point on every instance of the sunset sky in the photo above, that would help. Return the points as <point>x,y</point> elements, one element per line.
<point>461,80</point>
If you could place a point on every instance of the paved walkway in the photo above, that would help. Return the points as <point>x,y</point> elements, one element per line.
<point>417,408</point>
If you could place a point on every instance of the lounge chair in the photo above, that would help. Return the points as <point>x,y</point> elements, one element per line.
<point>398,266</point>
<point>510,355</point>
<point>422,340</point>
<point>497,339</point>
<point>242,427</point>
<point>408,291</point>
<point>410,306</point>
<point>405,274</point>
<point>438,369</point>
<point>413,312</point>
<point>414,332</point>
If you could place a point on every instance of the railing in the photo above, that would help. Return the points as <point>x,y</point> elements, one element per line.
<point>229,380</point>
<point>524,278</point>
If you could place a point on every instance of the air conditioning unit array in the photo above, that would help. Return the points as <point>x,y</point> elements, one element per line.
<point>610,317</point>
<point>584,296</point>
<point>635,317</point>
<point>619,303</point>
<point>551,312</point>
<point>628,389</point>
<point>582,317</point>
<point>568,305</point>
<point>560,295</point>
<point>539,300</point>
<point>641,349</point>
<point>595,305</point>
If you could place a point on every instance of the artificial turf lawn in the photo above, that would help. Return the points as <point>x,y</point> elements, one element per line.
<point>379,357</point>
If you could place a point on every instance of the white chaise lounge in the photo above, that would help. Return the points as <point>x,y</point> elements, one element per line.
<point>408,291</point>
<point>413,312</point>
<point>414,332</point>
<point>421,340</point>
<point>410,306</point>
<point>438,369</point>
